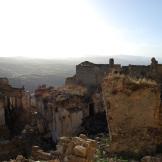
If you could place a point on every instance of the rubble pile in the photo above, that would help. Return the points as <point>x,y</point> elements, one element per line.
<point>77,149</point>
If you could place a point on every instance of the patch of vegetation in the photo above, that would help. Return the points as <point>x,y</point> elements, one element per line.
<point>102,154</point>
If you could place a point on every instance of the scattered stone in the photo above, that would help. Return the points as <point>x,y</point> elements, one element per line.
<point>77,149</point>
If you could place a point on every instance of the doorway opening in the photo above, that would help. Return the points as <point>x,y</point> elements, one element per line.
<point>91,109</point>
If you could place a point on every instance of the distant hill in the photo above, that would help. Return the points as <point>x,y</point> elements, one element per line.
<point>33,72</point>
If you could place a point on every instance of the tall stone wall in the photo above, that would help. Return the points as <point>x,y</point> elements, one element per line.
<point>159,68</point>
<point>133,113</point>
<point>59,121</point>
<point>14,106</point>
<point>26,101</point>
<point>88,75</point>
<point>2,113</point>
<point>61,113</point>
<point>136,71</point>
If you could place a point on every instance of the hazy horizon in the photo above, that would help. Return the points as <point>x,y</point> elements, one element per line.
<point>80,57</point>
<point>32,72</point>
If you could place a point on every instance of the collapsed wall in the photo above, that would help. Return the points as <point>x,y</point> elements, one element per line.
<point>14,106</point>
<point>61,110</point>
<point>133,110</point>
<point>14,114</point>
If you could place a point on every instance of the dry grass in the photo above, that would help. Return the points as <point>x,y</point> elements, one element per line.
<point>119,82</point>
<point>73,89</point>
<point>143,81</point>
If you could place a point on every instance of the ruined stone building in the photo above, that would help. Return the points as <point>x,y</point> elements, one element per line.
<point>90,74</point>
<point>133,109</point>
<point>130,95</point>
<point>13,101</point>
<point>61,110</point>
<point>152,71</point>
<point>132,98</point>
<point>14,115</point>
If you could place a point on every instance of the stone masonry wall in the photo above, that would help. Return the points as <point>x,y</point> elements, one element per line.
<point>133,114</point>
<point>2,113</point>
<point>61,113</point>
<point>88,75</point>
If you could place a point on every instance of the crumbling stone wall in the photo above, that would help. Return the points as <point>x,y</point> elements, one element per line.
<point>136,71</point>
<point>26,102</point>
<point>133,113</point>
<point>2,113</point>
<point>14,106</point>
<point>90,74</point>
<point>61,111</point>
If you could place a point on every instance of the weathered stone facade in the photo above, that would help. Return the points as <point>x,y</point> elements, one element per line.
<point>90,74</point>
<point>2,113</point>
<point>13,101</point>
<point>133,110</point>
<point>60,111</point>
<point>14,110</point>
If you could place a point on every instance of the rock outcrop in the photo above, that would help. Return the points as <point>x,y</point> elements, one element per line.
<point>133,110</point>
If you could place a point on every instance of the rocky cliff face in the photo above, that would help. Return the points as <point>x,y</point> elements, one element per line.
<point>133,114</point>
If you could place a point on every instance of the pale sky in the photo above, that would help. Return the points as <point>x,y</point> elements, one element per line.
<point>78,28</point>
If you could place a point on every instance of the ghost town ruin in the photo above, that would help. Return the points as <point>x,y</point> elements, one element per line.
<point>129,97</point>
<point>14,102</point>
